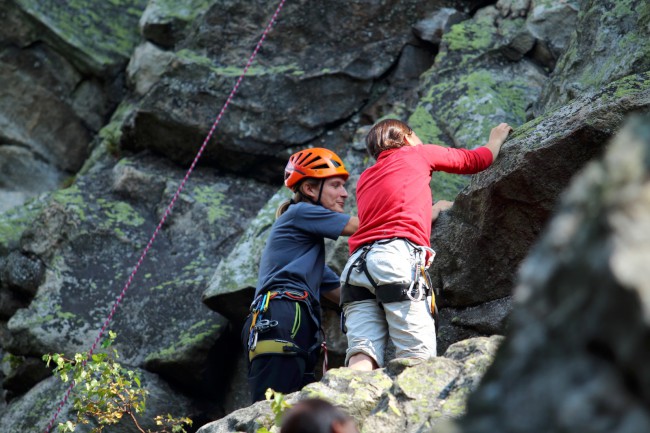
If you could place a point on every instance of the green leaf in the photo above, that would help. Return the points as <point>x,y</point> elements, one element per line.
<point>108,392</point>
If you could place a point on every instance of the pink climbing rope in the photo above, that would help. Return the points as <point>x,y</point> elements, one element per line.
<point>119,299</point>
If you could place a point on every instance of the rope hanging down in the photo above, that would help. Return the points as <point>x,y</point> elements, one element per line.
<point>119,299</point>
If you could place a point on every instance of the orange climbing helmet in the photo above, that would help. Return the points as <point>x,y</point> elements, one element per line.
<point>317,162</point>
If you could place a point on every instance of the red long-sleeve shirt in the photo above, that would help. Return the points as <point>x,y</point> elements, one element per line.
<point>394,197</point>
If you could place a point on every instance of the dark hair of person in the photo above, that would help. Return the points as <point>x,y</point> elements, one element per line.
<point>387,134</point>
<point>313,416</point>
<point>297,196</point>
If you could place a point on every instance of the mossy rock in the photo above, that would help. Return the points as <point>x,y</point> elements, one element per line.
<point>14,222</point>
<point>97,35</point>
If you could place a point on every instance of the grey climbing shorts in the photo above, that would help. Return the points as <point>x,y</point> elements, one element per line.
<point>408,324</point>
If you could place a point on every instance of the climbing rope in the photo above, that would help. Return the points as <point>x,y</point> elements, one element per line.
<point>119,299</point>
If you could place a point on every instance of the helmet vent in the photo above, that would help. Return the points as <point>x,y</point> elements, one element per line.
<point>313,160</point>
<point>301,161</point>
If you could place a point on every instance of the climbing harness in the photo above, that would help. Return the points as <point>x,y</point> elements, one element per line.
<point>419,288</point>
<point>258,325</point>
<point>167,212</point>
<point>260,305</point>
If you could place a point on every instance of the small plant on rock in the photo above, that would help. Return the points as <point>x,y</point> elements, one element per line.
<point>278,406</point>
<point>106,392</point>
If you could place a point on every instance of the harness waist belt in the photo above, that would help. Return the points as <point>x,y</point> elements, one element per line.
<point>274,347</point>
<point>385,293</point>
<point>352,293</point>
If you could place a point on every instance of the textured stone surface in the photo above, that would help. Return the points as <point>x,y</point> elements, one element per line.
<point>303,61</point>
<point>110,213</point>
<point>578,346</point>
<point>98,36</point>
<point>406,396</point>
<point>493,223</point>
<point>615,38</point>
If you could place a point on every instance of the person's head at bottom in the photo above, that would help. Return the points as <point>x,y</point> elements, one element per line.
<point>317,416</point>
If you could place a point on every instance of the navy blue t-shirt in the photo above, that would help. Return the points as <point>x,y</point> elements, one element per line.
<point>294,255</point>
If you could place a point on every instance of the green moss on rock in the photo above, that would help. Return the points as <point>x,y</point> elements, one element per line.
<point>475,35</point>
<point>192,336</point>
<point>466,41</point>
<point>119,213</point>
<point>423,122</point>
<point>214,202</point>
<point>469,105</point>
<point>629,85</point>
<point>104,31</point>
<point>15,221</point>
<point>186,10</point>
<point>109,214</point>
<point>191,57</point>
<point>73,200</point>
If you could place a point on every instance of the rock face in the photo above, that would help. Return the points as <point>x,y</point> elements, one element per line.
<point>60,84</point>
<point>514,198</point>
<point>403,397</point>
<point>578,345</point>
<point>105,103</point>
<point>304,62</point>
<point>614,36</point>
<point>79,234</point>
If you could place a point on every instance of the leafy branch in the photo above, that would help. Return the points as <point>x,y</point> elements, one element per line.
<point>106,392</point>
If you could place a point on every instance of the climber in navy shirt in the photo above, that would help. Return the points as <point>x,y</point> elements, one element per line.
<point>282,335</point>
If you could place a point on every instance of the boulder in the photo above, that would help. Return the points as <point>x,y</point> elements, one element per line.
<point>61,67</point>
<point>439,22</point>
<point>611,41</point>
<point>164,23</point>
<point>482,240</point>
<point>91,235</point>
<point>577,354</point>
<point>552,24</point>
<point>461,96</point>
<point>480,78</point>
<point>406,396</point>
<point>96,36</point>
<point>146,66</point>
<point>274,108</point>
